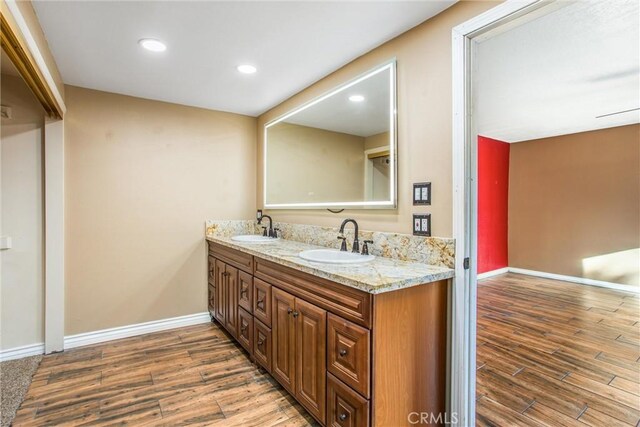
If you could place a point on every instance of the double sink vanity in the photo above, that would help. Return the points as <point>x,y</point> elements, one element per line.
<point>351,323</point>
<point>357,339</point>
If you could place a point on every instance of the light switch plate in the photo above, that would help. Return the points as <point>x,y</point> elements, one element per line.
<point>5,243</point>
<point>422,225</point>
<point>259,214</point>
<point>421,193</point>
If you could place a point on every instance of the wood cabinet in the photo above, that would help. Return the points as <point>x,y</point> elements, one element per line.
<point>262,344</point>
<point>349,357</point>
<point>225,298</point>
<point>220,309</point>
<point>311,365</point>
<point>245,291</point>
<point>345,407</point>
<point>348,353</point>
<point>262,301</point>
<point>245,330</point>
<point>283,338</point>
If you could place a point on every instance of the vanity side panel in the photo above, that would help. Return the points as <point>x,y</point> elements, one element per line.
<point>409,353</point>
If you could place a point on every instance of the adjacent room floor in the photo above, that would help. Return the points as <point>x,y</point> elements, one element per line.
<point>188,376</point>
<point>556,353</point>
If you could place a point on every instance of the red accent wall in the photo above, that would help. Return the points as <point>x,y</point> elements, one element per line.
<point>493,204</point>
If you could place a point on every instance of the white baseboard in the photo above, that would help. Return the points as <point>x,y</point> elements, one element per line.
<point>20,352</point>
<point>573,279</point>
<point>492,273</point>
<point>95,337</point>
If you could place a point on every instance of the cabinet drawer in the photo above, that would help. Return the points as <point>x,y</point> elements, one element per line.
<point>262,344</point>
<point>236,258</point>
<point>245,330</point>
<point>348,353</point>
<point>262,301</point>
<point>347,302</point>
<point>345,407</point>
<point>245,291</point>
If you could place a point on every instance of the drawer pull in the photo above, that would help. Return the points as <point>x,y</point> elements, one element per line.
<point>343,352</point>
<point>343,417</point>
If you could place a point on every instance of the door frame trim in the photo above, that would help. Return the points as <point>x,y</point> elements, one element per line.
<point>18,42</point>
<point>463,293</point>
<point>22,48</point>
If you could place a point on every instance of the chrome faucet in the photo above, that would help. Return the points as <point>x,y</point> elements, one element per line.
<point>271,231</point>
<point>356,243</point>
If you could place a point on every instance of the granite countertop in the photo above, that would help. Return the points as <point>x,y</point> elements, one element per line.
<point>378,276</point>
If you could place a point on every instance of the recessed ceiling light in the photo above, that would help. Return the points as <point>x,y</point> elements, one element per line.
<point>153,45</point>
<point>247,69</point>
<point>356,98</point>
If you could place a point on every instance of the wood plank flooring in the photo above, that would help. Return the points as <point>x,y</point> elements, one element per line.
<point>553,353</point>
<point>187,376</point>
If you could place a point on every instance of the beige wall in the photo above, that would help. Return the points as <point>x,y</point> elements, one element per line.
<point>424,122</point>
<point>376,141</point>
<point>141,178</point>
<point>21,217</point>
<point>574,205</point>
<point>314,165</point>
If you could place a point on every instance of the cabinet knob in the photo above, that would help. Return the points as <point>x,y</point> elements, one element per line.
<point>343,417</point>
<point>296,314</point>
<point>289,311</point>
<point>343,352</point>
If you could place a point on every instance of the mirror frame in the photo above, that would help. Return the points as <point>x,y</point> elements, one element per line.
<point>392,203</point>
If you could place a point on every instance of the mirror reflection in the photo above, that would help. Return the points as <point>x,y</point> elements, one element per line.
<point>338,150</point>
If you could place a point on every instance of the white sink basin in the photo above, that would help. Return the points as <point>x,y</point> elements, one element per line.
<point>334,256</point>
<point>252,238</point>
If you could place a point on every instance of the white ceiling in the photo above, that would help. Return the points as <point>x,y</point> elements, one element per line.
<point>293,44</point>
<point>338,114</point>
<point>554,75</point>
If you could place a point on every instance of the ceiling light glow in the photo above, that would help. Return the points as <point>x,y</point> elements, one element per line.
<point>247,69</point>
<point>356,98</point>
<point>153,45</point>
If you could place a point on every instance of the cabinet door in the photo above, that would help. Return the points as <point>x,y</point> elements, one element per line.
<point>212,271</point>
<point>262,301</point>
<point>311,365</point>
<point>232,300</point>
<point>245,330</point>
<point>283,338</point>
<point>212,299</point>
<point>262,344</point>
<point>220,292</point>
<point>245,291</point>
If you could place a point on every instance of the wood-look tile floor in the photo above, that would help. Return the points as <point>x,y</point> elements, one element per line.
<point>187,376</point>
<point>556,354</point>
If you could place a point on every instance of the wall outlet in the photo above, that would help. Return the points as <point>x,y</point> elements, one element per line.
<point>422,224</point>
<point>421,193</point>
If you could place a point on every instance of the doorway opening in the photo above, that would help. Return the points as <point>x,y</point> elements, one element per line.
<point>533,326</point>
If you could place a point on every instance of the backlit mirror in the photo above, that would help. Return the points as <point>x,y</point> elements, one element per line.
<point>337,151</point>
